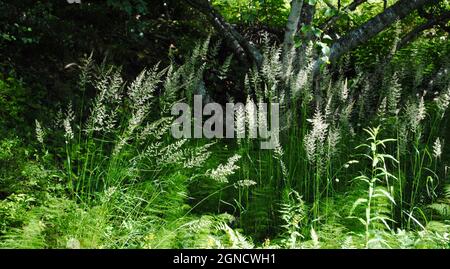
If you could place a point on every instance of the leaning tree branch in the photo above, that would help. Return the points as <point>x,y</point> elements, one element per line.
<point>440,21</point>
<point>246,52</point>
<point>375,25</point>
<point>412,35</point>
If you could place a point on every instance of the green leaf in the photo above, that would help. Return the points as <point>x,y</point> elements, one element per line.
<point>316,31</point>
<point>387,195</point>
<point>326,50</point>
<point>357,203</point>
<point>329,12</point>
<point>306,29</point>
<point>327,37</point>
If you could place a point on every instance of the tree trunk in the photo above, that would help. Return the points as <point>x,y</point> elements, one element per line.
<point>292,25</point>
<point>307,16</point>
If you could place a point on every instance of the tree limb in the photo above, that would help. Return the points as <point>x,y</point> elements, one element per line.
<point>375,25</point>
<point>413,34</point>
<point>246,52</point>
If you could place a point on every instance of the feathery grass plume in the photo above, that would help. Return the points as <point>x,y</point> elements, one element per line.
<point>191,73</point>
<point>173,84</point>
<point>67,123</point>
<point>316,136</point>
<point>298,86</point>
<point>68,130</point>
<point>40,133</point>
<point>437,148</point>
<point>108,194</point>
<point>329,103</point>
<point>278,154</point>
<point>288,64</point>
<point>223,171</point>
<point>255,80</point>
<point>169,154</point>
<point>307,57</point>
<point>58,121</point>
<point>262,117</point>
<point>155,129</point>
<point>247,84</point>
<point>197,157</point>
<point>141,96</point>
<point>251,117</point>
<point>418,76</point>
<point>443,100</point>
<point>394,91</point>
<point>240,122</point>
<point>344,90</point>
<point>333,140</point>
<point>397,37</point>
<point>136,120</point>
<point>86,72</point>
<point>300,83</point>
<point>106,103</point>
<point>278,149</point>
<point>142,88</point>
<point>345,115</point>
<point>415,113</point>
<point>402,136</point>
<point>422,111</point>
<point>246,183</point>
<point>271,70</point>
<point>382,108</point>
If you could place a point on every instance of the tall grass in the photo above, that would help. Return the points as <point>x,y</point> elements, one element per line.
<point>124,179</point>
